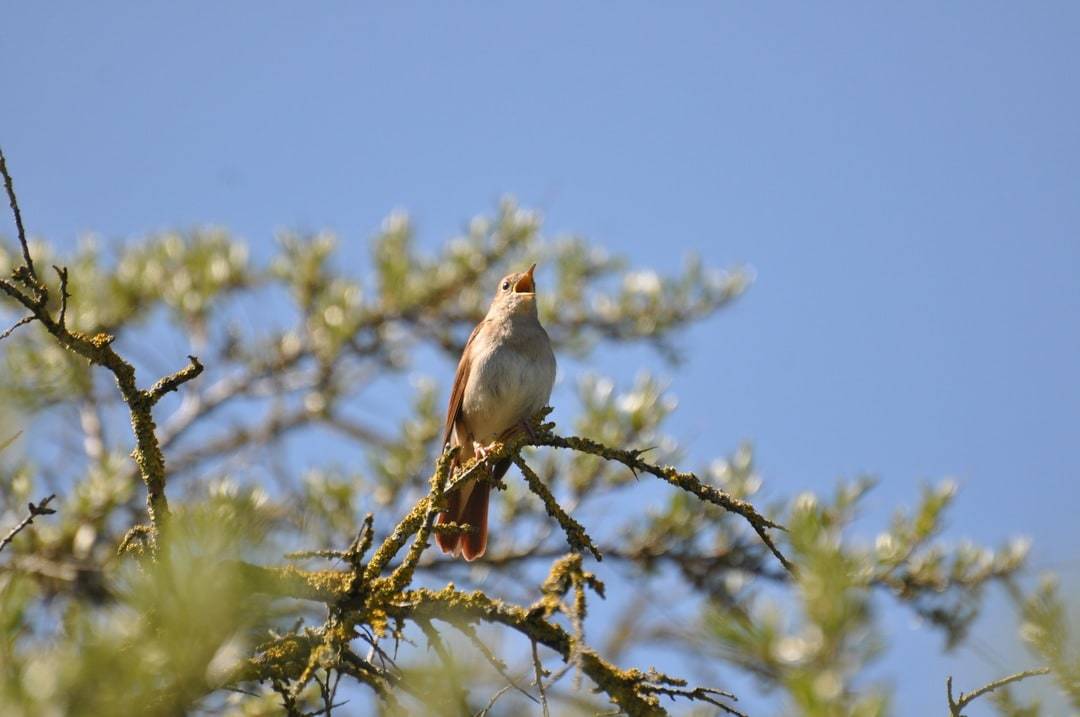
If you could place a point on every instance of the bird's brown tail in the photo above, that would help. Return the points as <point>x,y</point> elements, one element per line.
<point>448,542</point>
<point>473,511</point>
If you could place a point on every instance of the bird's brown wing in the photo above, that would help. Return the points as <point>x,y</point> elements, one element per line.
<point>456,503</point>
<point>457,393</point>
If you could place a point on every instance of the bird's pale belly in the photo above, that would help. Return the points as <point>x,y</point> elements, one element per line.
<point>515,389</point>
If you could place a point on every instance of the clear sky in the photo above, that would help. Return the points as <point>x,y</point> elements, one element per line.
<point>904,180</point>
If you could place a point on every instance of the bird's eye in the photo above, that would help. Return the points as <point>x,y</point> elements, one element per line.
<point>506,285</point>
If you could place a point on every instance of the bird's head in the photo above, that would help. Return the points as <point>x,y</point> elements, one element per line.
<point>516,294</point>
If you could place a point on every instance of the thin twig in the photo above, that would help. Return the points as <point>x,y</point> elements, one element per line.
<point>957,705</point>
<point>540,679</point>
<point>174,381</point>
<point>447,659</point>
<point>494,698</point>
<point>8,441</point>
<point>470,632</point>
<point>35,510</point>
<point>698,694</point>
<point>576,536</point>
<point>10,187</point>
<point>64,295</point>
<point>325,554</point>
<point>21,322</point>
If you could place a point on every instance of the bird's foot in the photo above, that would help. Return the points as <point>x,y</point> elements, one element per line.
<point>482,451</point>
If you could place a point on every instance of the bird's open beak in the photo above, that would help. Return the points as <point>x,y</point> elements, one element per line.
<point>525,284</point>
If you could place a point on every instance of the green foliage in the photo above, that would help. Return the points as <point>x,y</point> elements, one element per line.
<point>1045,629</point>
<point>817,659</point>
<point>172,630</point>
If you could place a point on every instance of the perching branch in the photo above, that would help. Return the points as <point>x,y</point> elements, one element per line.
<point>35,510</point>
<point>378,600</point>
<point>361,595</point>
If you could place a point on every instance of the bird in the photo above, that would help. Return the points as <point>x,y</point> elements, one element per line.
<point>504,378</point>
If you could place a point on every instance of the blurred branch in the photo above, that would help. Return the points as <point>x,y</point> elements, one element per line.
<point>35,510</point>
<point>274,426</point>
<point>470,632</point>
<point>356,430</point>
<point>8,441</point>
<point>435,641</point>
<point>539,678</point>
<point>21,322</point>
<point>93,429</point>
<point>77,578</point>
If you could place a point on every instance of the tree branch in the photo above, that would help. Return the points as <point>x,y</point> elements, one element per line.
<point>576,536</point>
<point>175,381</point>
<point>686,481</point>
<point>62,274</point>
<point>98,350</point>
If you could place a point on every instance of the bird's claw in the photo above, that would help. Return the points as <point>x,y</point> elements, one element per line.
<point>482,451</point>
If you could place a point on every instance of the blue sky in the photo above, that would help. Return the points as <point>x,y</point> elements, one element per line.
<point>903,180</point>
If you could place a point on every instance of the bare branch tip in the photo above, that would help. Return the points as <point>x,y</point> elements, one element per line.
<point>21,322</point>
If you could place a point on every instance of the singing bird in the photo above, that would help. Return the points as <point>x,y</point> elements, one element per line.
<point>504,378</point>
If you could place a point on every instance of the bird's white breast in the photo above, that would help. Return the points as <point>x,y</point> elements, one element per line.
<point>509,382</point>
